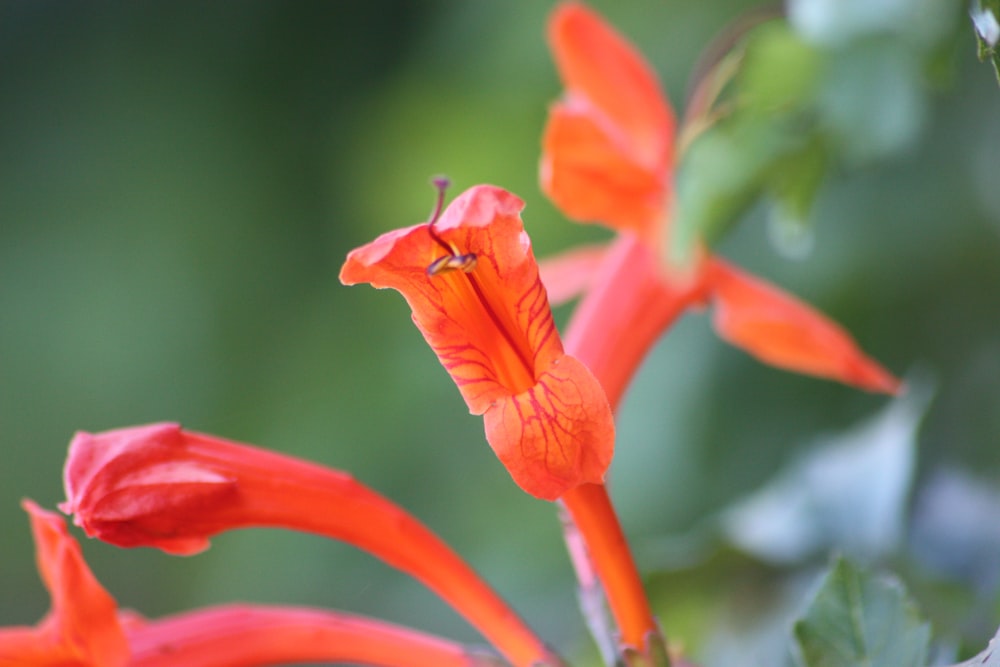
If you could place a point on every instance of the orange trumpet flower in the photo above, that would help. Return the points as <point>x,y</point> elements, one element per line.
<point>608,157</point>
<point>470,278</point>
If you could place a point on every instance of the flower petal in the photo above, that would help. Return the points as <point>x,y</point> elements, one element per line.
<point>780,330</point>
<point>491,328</point>
<point>82,628</point>
<point>603,71</point>
<point>556,435</point>
<point>593,179</point>
<point>570,273</point>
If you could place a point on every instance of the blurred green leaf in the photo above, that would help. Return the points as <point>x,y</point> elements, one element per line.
<point>721,175</point>
<point>795,181</point>
<point>860,619</point>
<point>781,71</point>
<point>848,492</point>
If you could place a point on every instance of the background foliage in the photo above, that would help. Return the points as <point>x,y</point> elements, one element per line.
<point>179,183</point>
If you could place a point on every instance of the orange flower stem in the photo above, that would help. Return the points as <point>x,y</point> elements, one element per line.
<point>593,603</point>
<point>594,516</point>
<point>251,636</point>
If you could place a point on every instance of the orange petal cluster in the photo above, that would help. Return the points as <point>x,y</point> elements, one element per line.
<point>608,158</point>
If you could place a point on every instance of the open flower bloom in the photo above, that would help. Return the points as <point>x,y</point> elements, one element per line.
<point>86,629</point>
<point>160,486</point>
<point>608,157</point>
<point>472,283</point>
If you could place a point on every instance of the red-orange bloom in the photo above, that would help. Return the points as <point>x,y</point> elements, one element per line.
<point>608,157</point>
<point>82,628</point>
<point>161,486</point>
<point>472,283</point>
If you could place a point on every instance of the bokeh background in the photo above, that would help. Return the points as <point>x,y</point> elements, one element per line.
<point>179,184</point>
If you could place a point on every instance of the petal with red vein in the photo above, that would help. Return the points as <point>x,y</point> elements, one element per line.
<point>556,435</point>
<point>491,327</point>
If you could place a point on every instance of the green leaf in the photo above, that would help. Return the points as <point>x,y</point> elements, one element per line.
<point>721,175</point>
<point>859,619</point>
<point>846,491</point>
<point>781,71</point>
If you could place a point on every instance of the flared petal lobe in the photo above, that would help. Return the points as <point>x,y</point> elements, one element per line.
<point>601,70</point>
<point>491,327</point>
<point>554,436</point>
<point>591,178</point>
<point>608,145</point>
<point>82,628</point>
<point>784,332</point>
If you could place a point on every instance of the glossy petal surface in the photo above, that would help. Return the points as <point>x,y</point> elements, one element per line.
<point>491,328</point>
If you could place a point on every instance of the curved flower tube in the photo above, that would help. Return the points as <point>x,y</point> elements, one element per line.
<point>86,629</point>
<point>249,636</point>
<point>163,487</point>
<point>471,280</point>
<point>82,627</point>
<point>608,158</point>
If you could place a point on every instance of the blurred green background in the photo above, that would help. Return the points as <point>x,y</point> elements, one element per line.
<point>179,184</point>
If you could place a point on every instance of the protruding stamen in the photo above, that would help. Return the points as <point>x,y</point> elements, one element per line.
<point>441,184</point>
<point>454,260</point>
